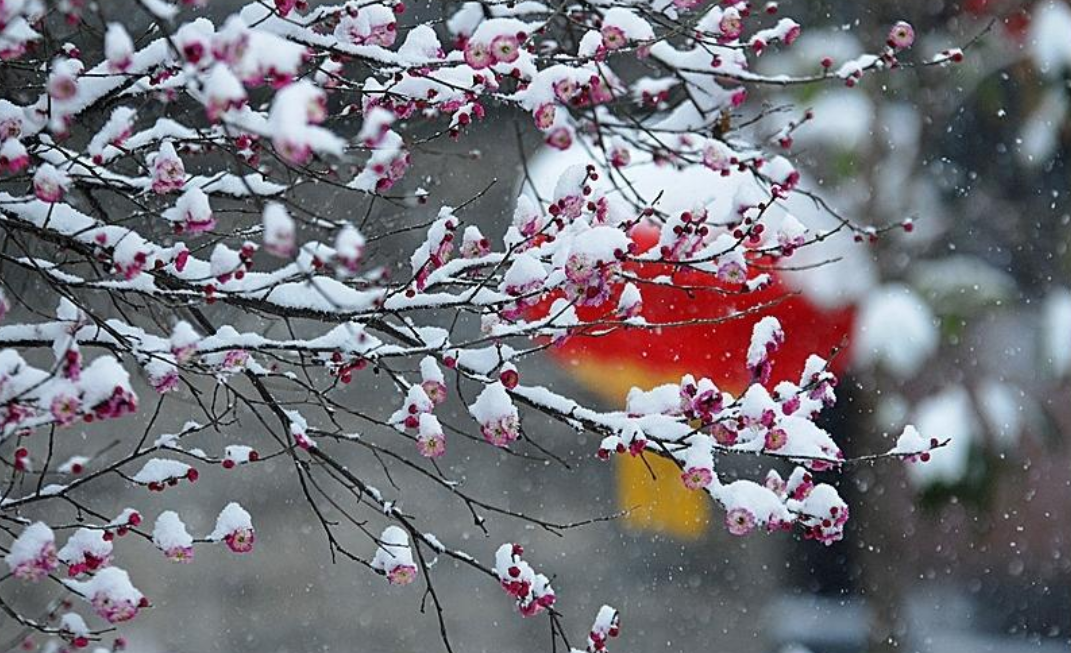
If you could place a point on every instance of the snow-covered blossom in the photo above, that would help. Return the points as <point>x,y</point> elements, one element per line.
<point>118,47</point>
<point>223,92</point>
<point>13,156</point>
<point>349,249</point>
<point>170,536</point>
<point>50,183</point>
<point>296,112</point>
<point>168,171</point>
<point>437,248</point>
<point>473,243</point>
<point>431,442</point>
<point>32,555</point>
<point>432,380</point>
<point>766,337</point>
<point>372,25</point>
<point>394,557</point>
<point>63,81</point>
<point>280,236</point>
<point>678,157</point>
<point>531,591</point>
<point>191,214</point>
<point>112,595</point>
<point>86,551</point>
<point>607,625</point>
<point>497,416</point>
<point>234,527</point>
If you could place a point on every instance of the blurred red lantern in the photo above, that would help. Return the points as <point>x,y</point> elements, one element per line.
<point>610,364</point>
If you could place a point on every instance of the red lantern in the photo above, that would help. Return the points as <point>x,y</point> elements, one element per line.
<point>612,363</point>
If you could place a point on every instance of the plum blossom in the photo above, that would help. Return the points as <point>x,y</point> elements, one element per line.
<point>497,416</point>
<point>740,521</point>
<point>168,171</point>
<point>63,80</point>
<point>473,243</point>
<point>223,92</point>
<point>607,625</point>
<point>112,595</point>
<point>50,183</point>
<point>901,35</point>
<point>417,402</point>
<point>505,48</point>
<point>13,156</point>
<point>280,237</point>
<point>234,527</point>
<point>86,551</point>
<point>296,112</point>
<point>349,249</point>
<point>170,536</point>
<point>431,442</point>
<point>697,478</point>
<point>372,25</point>
<point>532,592</point>
<point>394,558</point>
<point>191,214</point>
<point>766,338</point>
<point>32,556</point>
<point>432,380</point>
<point>118,47</point>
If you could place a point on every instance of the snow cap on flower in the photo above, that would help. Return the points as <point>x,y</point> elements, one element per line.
<point>32,555</point>
<point>234,527</point>
<point>496,414</point>
<point>349,249</point>
<point>50,183</point>
<point>223,92</point>
<point>532,592</point>
<point>607,625</point>
<point>394,558</point>
<point>766,337</point>
<point>170,536</point>
<point>191,214</point>
<point>431,441</point>
<point>86,550</point>
<point>118,47</point>
<point>295,113</point>
<point>168,171</point>
<point>432,380</point>
<point>279,230</point>
<point>112,595</point>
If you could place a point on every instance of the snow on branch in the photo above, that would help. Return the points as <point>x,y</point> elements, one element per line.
<point>159,237</point>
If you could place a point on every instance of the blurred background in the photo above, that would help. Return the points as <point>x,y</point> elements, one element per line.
<point>961,326</point>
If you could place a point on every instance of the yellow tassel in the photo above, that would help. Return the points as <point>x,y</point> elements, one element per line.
<point>661,504</point>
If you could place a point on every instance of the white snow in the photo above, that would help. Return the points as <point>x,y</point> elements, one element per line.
<point>896,330</point>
